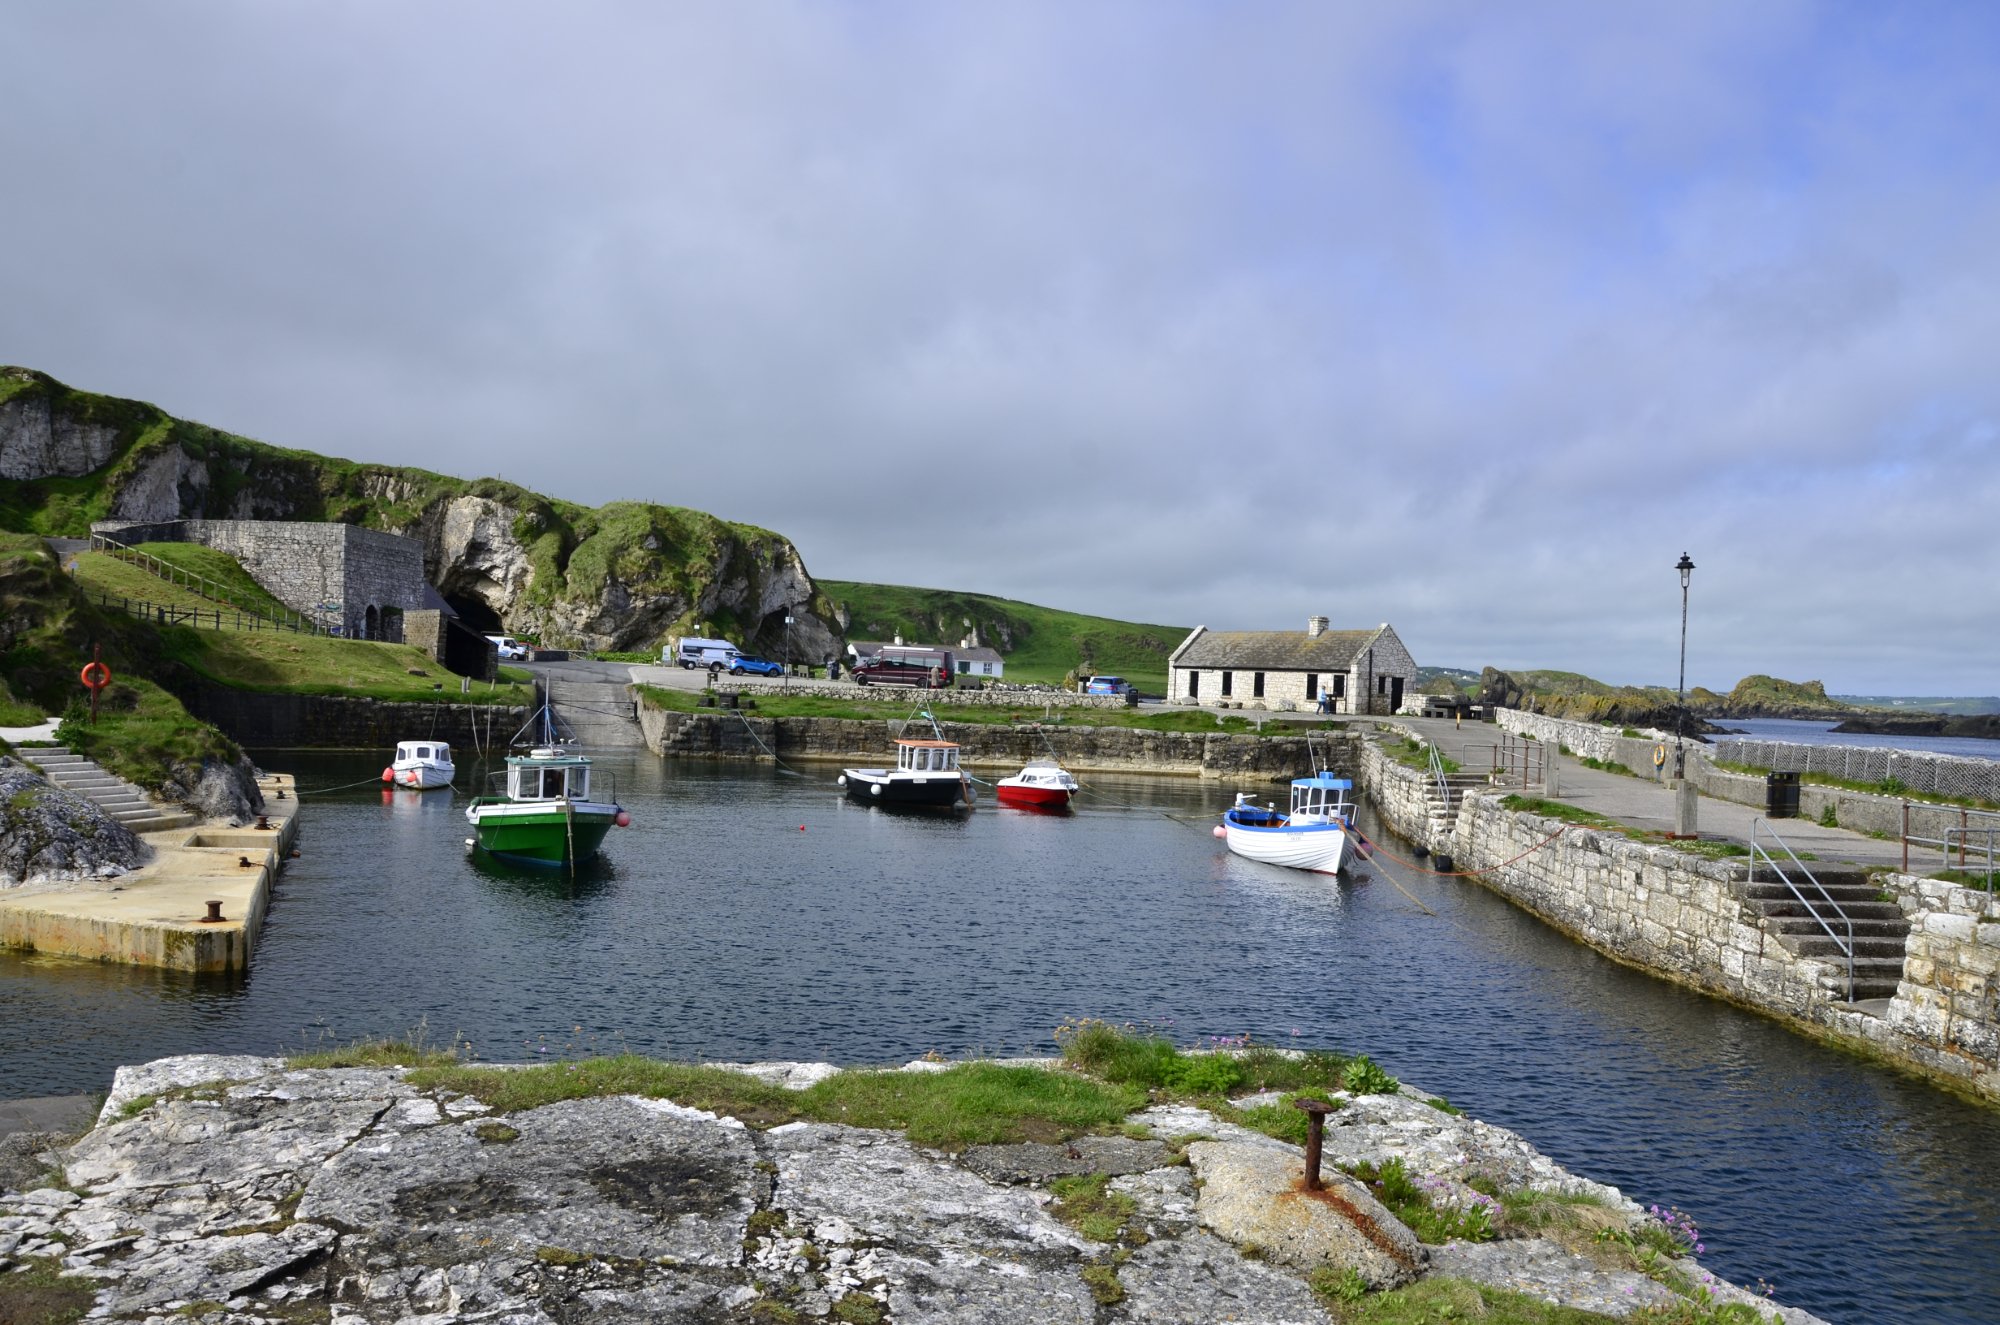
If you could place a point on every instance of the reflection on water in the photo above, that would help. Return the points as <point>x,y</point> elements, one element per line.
<point>748,914</point>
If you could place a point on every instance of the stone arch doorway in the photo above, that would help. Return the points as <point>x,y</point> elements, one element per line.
<point>371,623</point>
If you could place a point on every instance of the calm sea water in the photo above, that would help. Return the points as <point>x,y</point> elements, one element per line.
<point>1822,733</point>
<point>748,914</point>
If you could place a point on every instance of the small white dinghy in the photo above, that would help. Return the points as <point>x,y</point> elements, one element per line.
<point>1311,836</point>
<point>421,765</point>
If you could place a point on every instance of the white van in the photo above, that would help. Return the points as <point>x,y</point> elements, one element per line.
<point>692,652</point>
<point>509,648</point>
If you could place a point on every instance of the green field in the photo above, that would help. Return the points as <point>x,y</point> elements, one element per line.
<point>1039,644</point>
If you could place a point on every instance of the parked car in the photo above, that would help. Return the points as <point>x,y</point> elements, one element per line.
<point>511,649</point>
<point>755,666</point>
<point>902,672</point>
<point>1107,685</point>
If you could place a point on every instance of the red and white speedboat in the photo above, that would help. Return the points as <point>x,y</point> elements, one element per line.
<point>1042,785</point>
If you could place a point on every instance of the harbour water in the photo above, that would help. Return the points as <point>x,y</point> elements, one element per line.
<point>750,914</point>
<point>1822,733</point>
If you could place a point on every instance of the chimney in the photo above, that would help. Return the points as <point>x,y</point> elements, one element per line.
<point>1315,627</point>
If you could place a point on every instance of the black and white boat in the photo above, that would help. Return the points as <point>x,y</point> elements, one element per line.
<point>926,775</point>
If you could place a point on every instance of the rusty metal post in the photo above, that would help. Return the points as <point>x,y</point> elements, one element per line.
<point>1315,1112</point>
<point>214,916</point>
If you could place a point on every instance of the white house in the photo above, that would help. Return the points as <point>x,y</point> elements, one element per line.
<point>1352,671</point>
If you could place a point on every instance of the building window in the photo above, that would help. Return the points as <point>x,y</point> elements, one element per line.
<point>1227,678</point>
<point>1339,685</point>
<point>1381,684</point>
<point>986,668</point>
<point>1256,685</point>
<point>1312,685</point>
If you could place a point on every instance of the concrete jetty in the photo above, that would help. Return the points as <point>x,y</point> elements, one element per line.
<point>198,905</point>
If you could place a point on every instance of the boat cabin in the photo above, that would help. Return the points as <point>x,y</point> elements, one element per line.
<point>926,757</point>
<point>423,751</point>
<point>1320,799</point>
<point>548,777</point>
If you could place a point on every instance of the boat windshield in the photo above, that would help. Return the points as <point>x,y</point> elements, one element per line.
<point>535,782</point>
<point>927,759</point>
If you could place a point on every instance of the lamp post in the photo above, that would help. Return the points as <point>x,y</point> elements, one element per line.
<point>788,651</point>
<point>1687,803</point>
<point>1686,568</point>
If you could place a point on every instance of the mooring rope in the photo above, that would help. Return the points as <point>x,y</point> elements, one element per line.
<point>1415,868</point>
<point>782,767</point>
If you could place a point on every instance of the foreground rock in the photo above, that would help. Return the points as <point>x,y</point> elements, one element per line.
<point>242,1192</point>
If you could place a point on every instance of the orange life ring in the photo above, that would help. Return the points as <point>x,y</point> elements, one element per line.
<point>95,676</point>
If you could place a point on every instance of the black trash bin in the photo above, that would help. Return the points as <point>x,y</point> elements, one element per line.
<point>1781,795</point>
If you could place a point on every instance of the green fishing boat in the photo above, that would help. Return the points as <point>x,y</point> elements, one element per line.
<point>546,816</point>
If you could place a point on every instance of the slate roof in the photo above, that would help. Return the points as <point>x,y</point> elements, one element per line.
<point>1275,650</point>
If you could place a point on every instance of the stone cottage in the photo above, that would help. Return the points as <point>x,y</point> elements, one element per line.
<point>1353,671</point>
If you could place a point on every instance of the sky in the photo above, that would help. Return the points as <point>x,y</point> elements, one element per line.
<point>1469,318</point>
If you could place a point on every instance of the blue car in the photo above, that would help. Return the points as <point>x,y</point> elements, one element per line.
<point>755,667</point>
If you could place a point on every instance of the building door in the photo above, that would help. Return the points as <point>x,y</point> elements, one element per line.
<point>1194,685</point>
<point>1395,694</point>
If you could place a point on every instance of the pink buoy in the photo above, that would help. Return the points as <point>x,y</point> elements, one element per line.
<point>623,820</point>
<point>388,775</point>
<point>1220,831</point>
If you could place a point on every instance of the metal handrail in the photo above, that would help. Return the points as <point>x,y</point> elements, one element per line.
<point>1759,855</point>
<point>1437,776</point>
<point>162,569</point>
<point>1972,824</point>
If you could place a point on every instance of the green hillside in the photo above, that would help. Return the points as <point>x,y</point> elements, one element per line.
<point>1038,643</point>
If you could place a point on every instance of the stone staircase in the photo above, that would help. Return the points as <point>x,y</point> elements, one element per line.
<point>1880,931</point>
<point>1441,807</point>
<point>119,798</point>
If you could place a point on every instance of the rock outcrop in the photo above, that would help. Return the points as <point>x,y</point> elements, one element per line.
<point>248,1193</point>
<point>625,576</point>
<point>47,833</point>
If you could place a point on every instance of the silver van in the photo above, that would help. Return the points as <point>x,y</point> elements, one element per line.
<point>691,652</point>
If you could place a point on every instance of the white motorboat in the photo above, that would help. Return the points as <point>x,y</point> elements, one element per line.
<point>1312,835</point>
<point>421,765</point>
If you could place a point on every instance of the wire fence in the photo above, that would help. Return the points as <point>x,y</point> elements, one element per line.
<point>197,583</point>
<point>217,618</point>
<point>1891,770</point>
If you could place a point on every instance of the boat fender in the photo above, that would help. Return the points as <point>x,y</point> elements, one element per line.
<point>388,775</point>
<point>623,819</point>
<point>840,781</point>
<point>1220,831</point>
<point>875,790</point>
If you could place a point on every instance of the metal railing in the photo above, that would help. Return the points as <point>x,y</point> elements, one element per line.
<point>1520,760</point>
<point>1761,855</point>
<point>1980,827</point>
<point>197,583</point>
<point>1438,778</point>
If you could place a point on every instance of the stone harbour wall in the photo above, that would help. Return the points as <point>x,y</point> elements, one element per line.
<point>1951,978</point>
<point>1223,756</point>
<point>1685,918</point>
<point>336,722</point>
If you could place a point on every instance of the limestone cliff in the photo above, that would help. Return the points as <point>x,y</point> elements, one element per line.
<point>624,576</point>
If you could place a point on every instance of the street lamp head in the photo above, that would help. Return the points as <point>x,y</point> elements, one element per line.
<point>1685,567</point>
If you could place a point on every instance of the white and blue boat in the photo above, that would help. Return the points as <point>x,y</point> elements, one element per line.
<point>1312,835</point>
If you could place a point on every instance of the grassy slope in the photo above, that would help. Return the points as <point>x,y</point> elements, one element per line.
<point>1038,643</point>
<point>49,631</point>
<point>100,572</point>
<point>284,661</point>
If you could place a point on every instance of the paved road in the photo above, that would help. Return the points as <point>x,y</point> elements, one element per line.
<point>1644,803</point>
